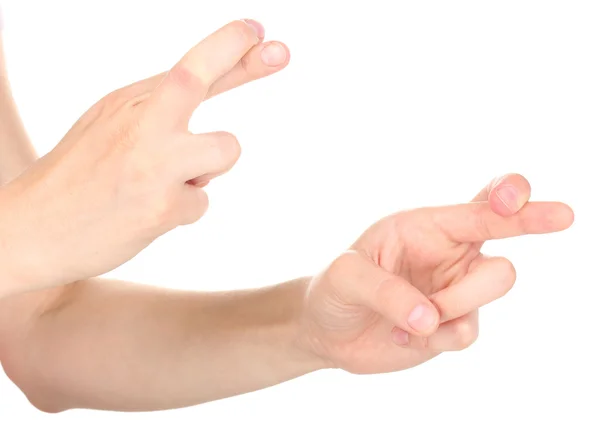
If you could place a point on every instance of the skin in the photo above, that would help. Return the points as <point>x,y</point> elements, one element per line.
<point>359,309</point>
<point>141,348</point>
<point>107,344</point>
<point>129,170</point>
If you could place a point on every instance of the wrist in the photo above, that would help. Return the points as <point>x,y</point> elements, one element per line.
<point>305,343</point>
<point>283,319</point>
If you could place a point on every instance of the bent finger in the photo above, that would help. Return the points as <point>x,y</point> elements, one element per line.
<point>394,298</point>
<point>457,334</point>
<point>203,157</point>
<point>490,279</point>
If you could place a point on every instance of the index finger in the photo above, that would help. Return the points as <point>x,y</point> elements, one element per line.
<point>186,85</point>
<point>476,222</point>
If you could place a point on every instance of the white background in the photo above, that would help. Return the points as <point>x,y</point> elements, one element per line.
<point>385,105</point>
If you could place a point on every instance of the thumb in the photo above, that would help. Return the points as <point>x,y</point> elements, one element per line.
<point>362,282</point>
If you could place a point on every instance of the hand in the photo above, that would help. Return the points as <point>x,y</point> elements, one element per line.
<point>129,170</point>
<point>410,287</point>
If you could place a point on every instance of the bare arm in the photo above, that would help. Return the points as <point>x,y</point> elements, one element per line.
<point>16,151</point>
<point>106,344</point>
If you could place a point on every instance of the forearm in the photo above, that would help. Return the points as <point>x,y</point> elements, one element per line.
<point>118,346</point>
<point>16,151</point>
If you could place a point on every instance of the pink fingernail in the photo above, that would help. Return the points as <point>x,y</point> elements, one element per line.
<point>257,27</point>
<point>273,54</point>
<point>422,318</point>
<point>508,196</point>
<point>400,337</point>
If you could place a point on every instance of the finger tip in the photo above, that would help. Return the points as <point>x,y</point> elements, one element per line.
<point>510,193</point>
<point>400,337</point>
<point>275,55</point>
<point>561,216</point>
<point>256,26</point>
<point>423,320</point>
<point>520,181</point>
<point>568,216</point>
<point>515,179</point>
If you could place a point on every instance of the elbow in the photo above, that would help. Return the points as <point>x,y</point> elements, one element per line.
<point>24,355</point>
<point>39,394</point>
<point>45,408</point>
<point>44,403</point>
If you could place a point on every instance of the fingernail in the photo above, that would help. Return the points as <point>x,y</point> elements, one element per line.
<point>200,181</point>
<point>422,318</point>
<point>273,54</point>
<point>257,27</point>
<point>399,337</point>
<point>508,196</point>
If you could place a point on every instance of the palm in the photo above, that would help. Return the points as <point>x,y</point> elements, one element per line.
<point>411,245</point>
<point>426,249</point>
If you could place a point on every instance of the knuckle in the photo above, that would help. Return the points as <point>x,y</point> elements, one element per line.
<point>246,65</point>
<point>160,211</point>
<point>115,101</point>
<point>226,138</point>
<point>480,220</point>
<point>508,274</point>
<point>136,99</point>
<point>226,148</point>
<point>466,333</point>
<point>184,78</point>
<point>90,117</point>
<point>231,146</point>
<point>522,223</point>
<point>195,207</point>
<point>153,200</point>
<point>202,203</point>
<point>120,100</point>
<point>156,214</point>
<point>113,98</point>
<point>103,108</point>
<point>151,215</point>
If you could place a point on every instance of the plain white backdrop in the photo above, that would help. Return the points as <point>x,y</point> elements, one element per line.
<point>386,105</point>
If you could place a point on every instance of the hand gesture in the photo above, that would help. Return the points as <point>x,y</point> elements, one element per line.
<point>410,287</point>
<point>129,170</point>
